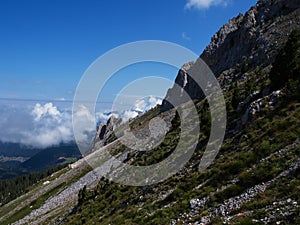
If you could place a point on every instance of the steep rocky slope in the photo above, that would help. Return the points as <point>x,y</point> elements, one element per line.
<point>255,177</point>
<point>245,42</point>
<point>252,37</point>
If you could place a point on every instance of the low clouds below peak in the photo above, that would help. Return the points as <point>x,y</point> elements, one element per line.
<point>45,110</point>
<point>146,103</point>
<point>42,125</point>
<point>37,126</point>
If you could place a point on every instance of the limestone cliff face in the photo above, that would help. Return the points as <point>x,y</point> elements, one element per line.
<point>246,41</point>
<point>250,38</point>
<point>104,130</point>
<point>189,86</point>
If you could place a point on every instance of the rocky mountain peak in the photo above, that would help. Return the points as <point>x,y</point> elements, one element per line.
<point>251,37</point>
<point>245,42</point>
<point>105,129</point>
<point>187,66</point>
<point>219,38</point>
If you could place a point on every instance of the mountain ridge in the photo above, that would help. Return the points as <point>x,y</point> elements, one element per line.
<point>242,44</point>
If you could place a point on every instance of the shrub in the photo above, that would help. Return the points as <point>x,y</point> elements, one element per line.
<point>287,62</point>
<point>245,221</point>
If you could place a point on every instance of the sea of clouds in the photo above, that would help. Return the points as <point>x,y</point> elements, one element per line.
<point>45,124</point>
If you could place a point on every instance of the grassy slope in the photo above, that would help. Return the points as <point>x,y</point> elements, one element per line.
<point>39,193</point>
<point>272,131</point>
<point>257,169</point>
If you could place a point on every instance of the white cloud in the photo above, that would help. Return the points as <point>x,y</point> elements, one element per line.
<point>84,124</point>
<point>141,106</point>
<point>144,104</point>
<point>48,126</point>
<point>185,36</point>
<point>204,4</point>
<point>128,115</point>
<point>61,99</point>
<point>104,116</point>
<point>43,125</point>
<point>48,109</point>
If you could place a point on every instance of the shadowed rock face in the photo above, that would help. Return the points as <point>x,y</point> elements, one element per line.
<point>185,83</point>
<point>243,38</point>
<point>104,130</point>
<point>245,41</point>
<point>101,131</point>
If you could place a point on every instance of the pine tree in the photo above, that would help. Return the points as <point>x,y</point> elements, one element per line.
<point>287,62</point>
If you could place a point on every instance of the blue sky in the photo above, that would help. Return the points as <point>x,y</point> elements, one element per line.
<point>45,46</point>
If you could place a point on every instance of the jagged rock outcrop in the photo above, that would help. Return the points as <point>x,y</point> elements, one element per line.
<point>257,105</point>
<point>251,38</point>
<point>174,95</point>
<point>105,130</point>
<point>101,131</point>
<point>245,42</point>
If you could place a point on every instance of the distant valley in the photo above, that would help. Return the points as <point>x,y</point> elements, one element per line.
<point>16,160</point>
